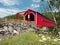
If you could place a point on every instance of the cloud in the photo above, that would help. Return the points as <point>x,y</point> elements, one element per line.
<point>38,0</point>
<point>6,12</point>
<point>35,5</point>
<point>9,2</point>
<point>55,10</point>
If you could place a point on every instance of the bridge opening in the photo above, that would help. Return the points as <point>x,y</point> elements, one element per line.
<point>30,17</point>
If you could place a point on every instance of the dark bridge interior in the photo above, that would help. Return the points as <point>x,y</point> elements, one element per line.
<point>31,17</point>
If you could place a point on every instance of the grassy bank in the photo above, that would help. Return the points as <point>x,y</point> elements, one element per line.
<point>31,38</point>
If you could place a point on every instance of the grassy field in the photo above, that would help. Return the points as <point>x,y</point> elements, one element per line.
<point>31,38</point>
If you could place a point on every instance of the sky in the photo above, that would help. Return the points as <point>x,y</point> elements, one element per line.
<point>9,7</point>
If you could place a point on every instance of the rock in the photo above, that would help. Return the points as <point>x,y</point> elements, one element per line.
<point>1,25</point>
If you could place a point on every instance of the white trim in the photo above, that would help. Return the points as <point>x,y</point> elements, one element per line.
<point>25,14</point>
<point>29,14</point>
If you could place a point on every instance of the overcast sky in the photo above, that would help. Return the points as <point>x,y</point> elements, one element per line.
<point>9,7</point>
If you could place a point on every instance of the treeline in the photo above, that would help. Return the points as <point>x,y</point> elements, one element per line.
<point>20,17</point>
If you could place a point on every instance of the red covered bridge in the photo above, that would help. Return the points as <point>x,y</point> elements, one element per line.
<point>39,19</point>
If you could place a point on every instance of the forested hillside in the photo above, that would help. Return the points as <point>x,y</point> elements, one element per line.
<point>14,17</point>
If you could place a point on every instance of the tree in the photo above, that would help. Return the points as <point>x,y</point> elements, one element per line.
<point>56,4</point>
<point>49,4</point>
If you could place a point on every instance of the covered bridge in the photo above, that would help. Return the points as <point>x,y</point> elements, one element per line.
<point>39,19</point>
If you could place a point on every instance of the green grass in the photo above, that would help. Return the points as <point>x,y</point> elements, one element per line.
<point>31,38</point>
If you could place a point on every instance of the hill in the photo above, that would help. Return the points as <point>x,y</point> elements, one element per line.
<point>14,17</point>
